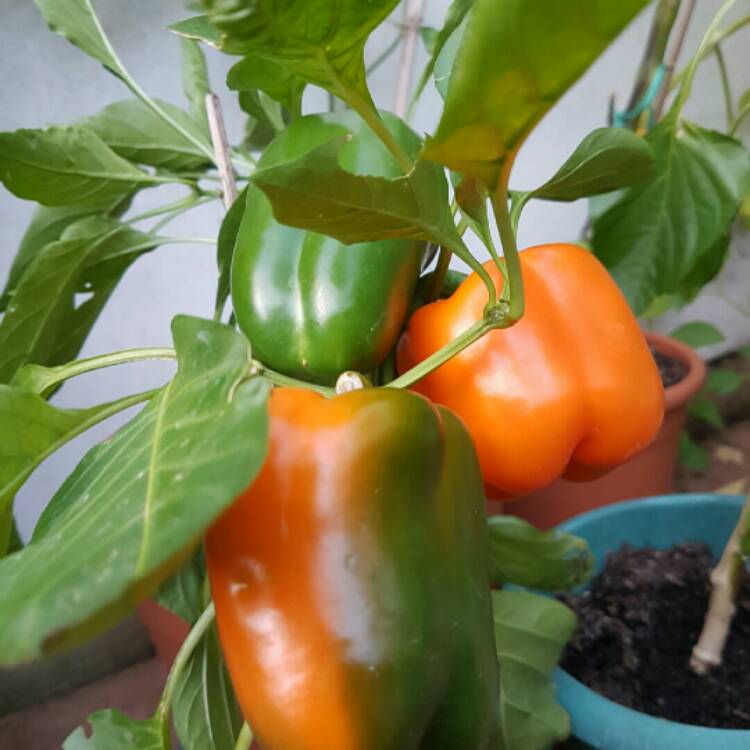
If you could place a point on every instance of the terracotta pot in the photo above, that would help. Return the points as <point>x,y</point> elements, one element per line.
<point>166,630</point>
<point>649,473</point>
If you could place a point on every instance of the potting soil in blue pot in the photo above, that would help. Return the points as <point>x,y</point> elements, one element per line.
<point>654,522</point>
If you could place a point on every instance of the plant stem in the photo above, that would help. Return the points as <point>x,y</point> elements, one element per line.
<point>653,54</point>
<point>741,115</point>
<point>725,86</point>
<point>674,55</point>
<point>718,37</point>
<point>182,204</point>
<point>278,378</point>
<point>450,350</point>
<point>198,631</point>
<point>459,248</point>
<point>414,10</point>
<point>436,280</point>
<point>725,581</point>
<point>188,241</point>
<point>244,738</point>
<point>383,56</point>
<point>513,292</point>
<point>221,149</point>
<point>55,375</point>
<point>156,108</point>
<point>172,215</point>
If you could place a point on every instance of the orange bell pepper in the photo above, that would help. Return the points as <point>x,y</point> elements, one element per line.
<point>570,390</point>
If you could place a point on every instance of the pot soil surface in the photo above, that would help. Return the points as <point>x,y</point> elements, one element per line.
<point>671,369</point>
<point>636,628</point>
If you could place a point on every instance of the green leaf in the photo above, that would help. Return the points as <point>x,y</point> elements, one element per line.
<point>205,711</point>
<point>691,455</point>
<point>135,132</point>
<point>63,290</point>
<point>47,225</point>
<point>113,730</point>
<point>263,110</point>
<point>34,429</point>
<point>429,36</point>
<point>313,192</point>
<point>516,59</point>
<point>321,42</point>
<point>135,507</point>
<point>198,28</point>
<point>76,21</point>
<point>228,232</point>
<point>437,40</point>
<point>182,594</point>
<point>652,238</point>
<point>548,560</point>
<point>705,269</point>
<point>698,333</point>
<point>744,352</point>
<point>67,166</point>
<point>254,73</point>
<point>530,632</point>
<point>724,382</point>
<point>446,59</point>
<point>605,160</point>
<point>706,411</point>
<point>195,81</point>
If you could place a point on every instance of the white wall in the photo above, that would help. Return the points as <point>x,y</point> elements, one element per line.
<point>44,80</point>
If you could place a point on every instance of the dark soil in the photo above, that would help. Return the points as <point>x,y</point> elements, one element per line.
<point>636,628</point>
<point>672,370</point>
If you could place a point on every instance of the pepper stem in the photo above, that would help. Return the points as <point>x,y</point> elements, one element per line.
<point>494,317</point>
<point>513,292</point>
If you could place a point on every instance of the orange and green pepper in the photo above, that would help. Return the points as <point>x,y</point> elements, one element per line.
<point>350,580</point>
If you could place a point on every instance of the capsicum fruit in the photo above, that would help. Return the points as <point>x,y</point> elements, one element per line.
<point>311,306</point>
<point>350,580</point>
<point>570,390</point>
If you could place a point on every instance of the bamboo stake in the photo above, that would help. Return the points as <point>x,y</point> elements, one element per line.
<point>406,63</point>
<point>221,149</point>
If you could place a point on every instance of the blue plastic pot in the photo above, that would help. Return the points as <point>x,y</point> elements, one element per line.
<point>657,522</point>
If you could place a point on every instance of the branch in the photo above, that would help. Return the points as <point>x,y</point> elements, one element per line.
<point>725,583</point>
<point>406,63</point>
<point>674,55</point>
<point>221,149</point>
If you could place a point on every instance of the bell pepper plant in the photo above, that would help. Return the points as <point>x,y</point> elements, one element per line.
<point>307,489</point>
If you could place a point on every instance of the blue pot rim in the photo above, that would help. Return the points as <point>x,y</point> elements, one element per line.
<point>575,693</point>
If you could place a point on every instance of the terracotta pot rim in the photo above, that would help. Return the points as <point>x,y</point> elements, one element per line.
<point>677,395</point>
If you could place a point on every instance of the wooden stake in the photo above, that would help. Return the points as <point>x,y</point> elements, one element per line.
<point>221,149</point>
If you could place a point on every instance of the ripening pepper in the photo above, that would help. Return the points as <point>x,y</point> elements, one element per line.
<point>350,580</point>
<point>311,306</point>
<point>570,390</point>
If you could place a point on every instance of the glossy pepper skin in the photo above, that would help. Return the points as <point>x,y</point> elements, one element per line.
<point>570,390</point>
<point>350,580</point>
<point>311,306</point>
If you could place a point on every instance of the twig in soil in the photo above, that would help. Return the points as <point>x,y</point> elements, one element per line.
<point>221,149</point>
<point>725,583</point>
